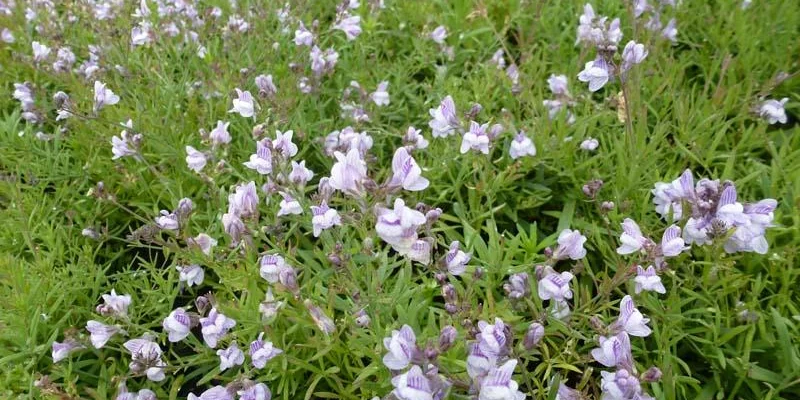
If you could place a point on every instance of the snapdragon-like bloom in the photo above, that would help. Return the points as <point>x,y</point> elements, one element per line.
<point>323,62</point>
<point>243,104</point>
<point>558,85</point>
<point>101,333</point>
<point>214,327</point>
<point>621,385</point>
<point>261,161</point>
<point>324,217</point>
<point>204,242</point>
<point>230,357</point>
<point>146,358</point>
<point>215,393</point>
<point>401,347</point>
<point>271,266</point>
<point>570,245</point>
<point>647,279</point>
<point>219,135</point>
<point>283,144</point>
<point>381,96</point>
<point>303,37</point>
<point>398,226</point>
<point>349,173</point>
<point>103,96</point>
<point>324,323</point>
<point>412,385</point>
<point>40,51</point>
<point>258,391</point>
<point>668,196</point>
<point>178,325</point>
<point>243,201</point>
<point>196,160</point>
<point>517,286</point>
<point>142,394</point>
<point>289,205</point>
<point>614,351</point>
<point>414,138</point>
<point>476,138</point>
<point>498,384</point>
<point>115,305</point>
<point>479,363</point>
<point>632,239</point>
<point>421,251</point>
<point>456,260</point>
<point>533,335</point>
<point>595,75</point>
<point>672,243</point>
<point>266,87</point>
<point>262,351</point>
<point>439,34</point>
<point>630,319</point>
<point>590,144</point>
<point>191,274</point>
<point>492,339</point>
<point>633,54</point>
<point>445,121</point>
<point>406,173</point>
<point>773,111</point>
<point>555,286</point>
<point>521,146</point>
<point>63,349</point>
<point>350,25</point>
<point>670,32</point>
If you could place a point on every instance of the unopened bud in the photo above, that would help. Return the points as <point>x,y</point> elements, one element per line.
<point>202,304</point>
<point>447,337</point>
<point>449,293</point>
<point>431,352</point>
<point>533,336</point>
<point>478,274</point>
<point>362,319</point>
<point>607,206</point>
<point>433,215</point>
<point>653,374</point>
<point>451,308</point>
<point>288,278</point>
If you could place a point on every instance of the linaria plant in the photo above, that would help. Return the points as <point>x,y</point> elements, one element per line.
<point>361,199</point>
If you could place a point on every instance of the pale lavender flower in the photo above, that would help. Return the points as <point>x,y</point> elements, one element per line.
<point>178,325</point>
<point>204,242</point>
<point>266,88</point>
<point>349,173</point>
<point>398,226</point>
<point>289,205</point>
<point>115,305</point>
<point>362,319</point>
<point>669,196</point>
<point>587,32</point>
<point>261,161</point>
<point>325,323</point>
<point>672,243</point>
<point>639,7</point>
<point>555,286</point>
<point>570,245</point>
<point>270,267</point>
<point>230,357</point>
<point>746,4</point>
<point>191,274</point>
<point>283,144</point>
<point>406,173</point>
<point>146,357</point>
<point>632,239</point>
<point>214,327</point>
<point>349,139</point>
<point>401,347</point>
<point>492,339</point>
<point>243,104</point>
<point>476,138</point>
<point>63,349</point>
<point>517,286</point>
<point>414,138</point>
<point>498,59</point>
<point>323,218</point>
<point>633,54</point>
<point>300,175</point>
<point>258,391</point>
<point>7,36</point>
<point>381,96</point>
<point>40,51</point>
<point>24,94</point>
<point>304,85</point>
<point>233,226</point>
<point>303,37</point>
<point>772,111</point>
<point>269,307</point>
<point>479,363</point>
<point>421,251</point>
<point>670,32</point>
<point>261,351</point>
<point>412,385</point>
<point>219,135</point>
<point>521,146</point>
<point>100,333</point>
<point>498,384</point>
<point>647,279</point>
<point>323,62</point>
<point>558,85</point>
<point>215,393</point>
<point>167,221</point>
<point>456,260</point>
<point>445,121</point>
<point>65,58</point>
<point>196,160</point>
<point>439,34</point>
<point>621,385</point>
<point>631,320</point>
<point>103,96</point>
<point>595,75</point>
<point>142,34</point>
<point>350,25</point>
<point>614,351</point>
<point>142,394</point>
<point>533,335</point>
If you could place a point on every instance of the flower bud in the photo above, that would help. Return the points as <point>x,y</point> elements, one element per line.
<point>447,337</point>
<point>362,319</point>
<point>325,189</point>
<point>440,277</point>
<point>202,304</point>
<point>473,112</point>
<point>431,352</point>
<point>607,206</point>
<point>591,188</point>
<point>597,324</point>
<point>533,336</point>
<point>258,131</point>
<point>449,293</point>
<point>653,374</point>
<point>288,278</point>
<point>451,308</point>
<point>60,99</point>
<point>478,274</point>
<point>433,215</point>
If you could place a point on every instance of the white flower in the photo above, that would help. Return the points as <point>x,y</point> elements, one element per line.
<point>103,96</point>
<point>445,121</point>
<point>646,279</point>
<point>631,320</point>
<point>178,325</point>
<point>230,357</point>
<point>289,206</point>
<point>191,274</point>
<point>219,135</point>
<point>323,218</point>
<point>476,138</point>
<point>196,160</point>
<point>283,143</point>
<point>597,77</point>
<point>381,96</point>
<point>402,347</point>
<point>406,173</point>
<point>100,333</point>
<point>243,104</point>
<point>439,34</point>
<point>521,146</point>
<point>40,51</point>
<point>590,144</point>
<point>773,111</point>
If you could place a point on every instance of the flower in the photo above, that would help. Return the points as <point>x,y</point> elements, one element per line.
<point>324,217</point>
<point>259,391</point>
<point>412,385</point>
<point>401,347</point>
<point>492,339</point>
<point>302,36</point>
<point>100,333</point>
<point>243,104</point>
<point>421,251</point>
<point>63,349</point>
<point>773,111</point>
<point>125,144</point>
<point>214,327</point>
<point>204,242</point>
<point>672,243</point>
<point>381,96</point>
<point>406,173</point>
<point>614,351</point>
<point>40,51</point>
<point>555,286</point>
<point>498,384</point>
<point>219,135</point>
<point>233,226</point>
<point>196,160</point>
<point>595,75</point>
<point>178,325</point>
<point>670,32</point>
<point>103,96</point>
<point>266,88</point>
<point>349,173</point>
<point>521,146</point>
<point>632,239</point>
<point>167,221</point>
<point>261,351</point>
<point>398,226</point>
<point>269,307</point>
<point>620,385</point>
<point>479,363</point>
<point>325,323</point>
<point>289,206</point>
<point>570,245</point>
<point>634,53</point>
<point>261,161</point>
<point>646,279</point>
<point>476,138</point>
<point>456,260</point>
<point>351,26</point>
<point>215,393</point>
<point>270,267</point>
<point>283,143</point>
<point>191,274</point>
<point>445,121</point>
<point>590,144</point>
<point>630,319</point>
<point>146,357</point>
<point>243,202</point>
<point>114,305</point>
<point>533,335</point>
<point>517,286</point>
<point>300,174</point>
<point>415,139</point>
<point>230,357</point>
<point>7,36</point>
<point>439,34</point>
<point>558,84</point>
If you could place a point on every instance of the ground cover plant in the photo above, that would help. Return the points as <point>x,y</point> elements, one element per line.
<point>417,200</point>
